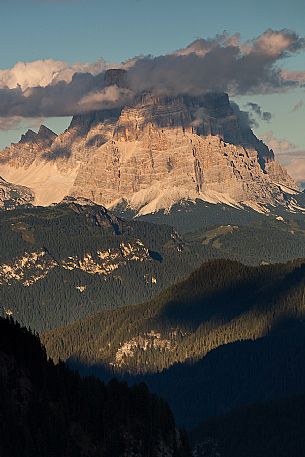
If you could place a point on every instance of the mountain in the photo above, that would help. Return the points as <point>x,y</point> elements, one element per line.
<point>190,216</point>
<point>48,410</point>
<point>161,154</point>
<point>220,303</point>
<point>70,260</point>
<point>150,155</point>
<point>231,376</point>
<point>12,196</point>
<point>227,336</point>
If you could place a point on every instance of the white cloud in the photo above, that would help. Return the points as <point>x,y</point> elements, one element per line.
<point>298,76</point>
<point>10,123</point>
<point>17,123</point>
<point>100,99</point>
<point>31,74</point>
<point>42,73</point>
<point>224,63</point>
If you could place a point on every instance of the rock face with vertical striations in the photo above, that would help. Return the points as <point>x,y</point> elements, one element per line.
<point>164,150</point>
<point>151,154</point>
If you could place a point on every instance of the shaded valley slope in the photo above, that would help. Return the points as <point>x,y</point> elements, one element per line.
<point>228,335</point>
<point>48,410</point>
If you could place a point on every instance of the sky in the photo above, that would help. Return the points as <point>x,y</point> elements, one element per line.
<point>86,31</point>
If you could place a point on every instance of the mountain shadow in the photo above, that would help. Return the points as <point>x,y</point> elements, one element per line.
<point>48,410</point>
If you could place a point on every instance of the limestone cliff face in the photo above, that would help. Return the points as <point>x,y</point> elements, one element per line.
<point>164,150</point>
<point>151,154</point>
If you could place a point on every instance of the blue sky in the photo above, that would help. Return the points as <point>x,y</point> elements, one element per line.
<point>116,30</point>
<point>86,30</point>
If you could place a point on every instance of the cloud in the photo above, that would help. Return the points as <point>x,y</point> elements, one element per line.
<point>245,118</point>
<point>9,123</point>
<point>249,119</point>
<point>224,63</point>
<point>297,76</point>
<point>41,73</point>
<point>16,123</point>
<point>63,98</point>
<point>37,73</point>
<point>257,111</point>
<point>108,97</point>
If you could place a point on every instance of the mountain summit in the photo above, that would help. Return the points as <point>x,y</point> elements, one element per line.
<point>164,150</point>
<point>44,135</point>
<point>151,154</point>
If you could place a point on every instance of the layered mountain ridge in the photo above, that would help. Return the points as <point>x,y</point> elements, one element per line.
<point>66,261</point>
<point>227,336</point>
<point>70,260</point>
<point>151,154</point>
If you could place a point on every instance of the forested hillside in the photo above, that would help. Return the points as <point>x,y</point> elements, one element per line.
<point>267,240</point>
<point>221,302</point>
<point>261,430</point>
<point>228,335</point>
<point>46,410</point>
<point>66,262</point>
<point>69,261</point>
<point>233,375</point>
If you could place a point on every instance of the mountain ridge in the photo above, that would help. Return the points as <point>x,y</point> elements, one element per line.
<point>72,259</point>
<point>153,153</point>
<point>225,322</point>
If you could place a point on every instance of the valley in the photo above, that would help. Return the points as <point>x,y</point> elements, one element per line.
<point>152,233</point>
<point>206,345</point>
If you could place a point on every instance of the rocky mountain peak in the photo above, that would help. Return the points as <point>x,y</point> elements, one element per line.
<point>166,149</point>
<point>83,123</point>
<point>29,137</point>
<point>44,133</point>
<point>80,201</point>
<point>96,214</point>
<point>153,153</point>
